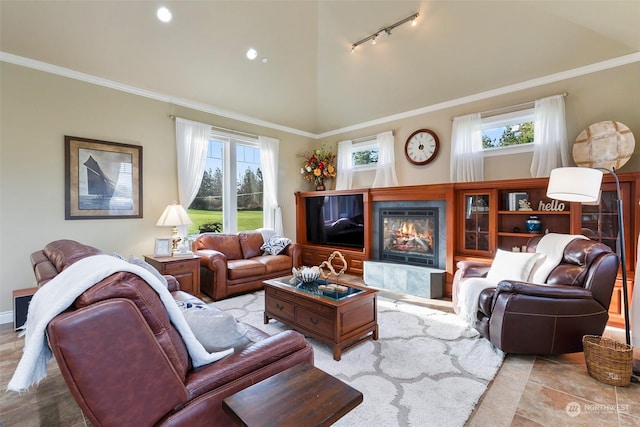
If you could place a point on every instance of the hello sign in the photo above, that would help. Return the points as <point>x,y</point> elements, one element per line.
<point>552,206</point>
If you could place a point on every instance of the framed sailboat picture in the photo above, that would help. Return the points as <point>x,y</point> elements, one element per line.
<point>102,179</point>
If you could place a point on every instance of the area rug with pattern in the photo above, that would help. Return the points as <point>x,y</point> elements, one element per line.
<point>426,369</point>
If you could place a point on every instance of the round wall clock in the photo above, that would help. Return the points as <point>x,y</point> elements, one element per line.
<point>421,147</point>
<point>607,144</point>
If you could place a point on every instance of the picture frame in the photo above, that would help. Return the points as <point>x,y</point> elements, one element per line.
<point>162,247</point>
<point>102,179</point>
<point>514,198</point>
<point>518,198</point>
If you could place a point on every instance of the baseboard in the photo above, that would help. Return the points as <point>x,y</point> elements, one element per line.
<point>6,317</point>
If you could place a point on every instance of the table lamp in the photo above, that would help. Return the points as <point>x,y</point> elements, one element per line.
<point>173,216</point>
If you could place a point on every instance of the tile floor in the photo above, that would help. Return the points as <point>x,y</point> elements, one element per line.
<point>527,391</point>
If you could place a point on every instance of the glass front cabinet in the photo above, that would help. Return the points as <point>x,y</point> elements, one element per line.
<point>477,236</point>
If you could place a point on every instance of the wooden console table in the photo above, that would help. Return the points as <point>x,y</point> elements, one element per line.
<point>342,323</point>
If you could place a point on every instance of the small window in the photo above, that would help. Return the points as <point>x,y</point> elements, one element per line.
<point>364,155</point>
<point>507,131</point>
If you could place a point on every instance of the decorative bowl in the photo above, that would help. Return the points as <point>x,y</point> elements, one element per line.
<point>306,274</point>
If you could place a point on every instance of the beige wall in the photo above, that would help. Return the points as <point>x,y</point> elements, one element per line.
<point>608,95</point>
<point>38,109</point>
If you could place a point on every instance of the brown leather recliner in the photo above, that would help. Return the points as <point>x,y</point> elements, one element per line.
<point>125,363</point>
<point>549,318</point>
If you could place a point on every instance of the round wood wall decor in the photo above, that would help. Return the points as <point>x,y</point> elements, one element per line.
<point>607,144</point>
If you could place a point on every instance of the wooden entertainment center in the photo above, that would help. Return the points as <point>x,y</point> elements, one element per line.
<point>482,222</point>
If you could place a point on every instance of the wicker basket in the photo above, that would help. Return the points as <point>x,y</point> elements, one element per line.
<point>608,361</point>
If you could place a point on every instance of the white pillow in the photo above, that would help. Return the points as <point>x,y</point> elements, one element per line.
<point>512,266</point>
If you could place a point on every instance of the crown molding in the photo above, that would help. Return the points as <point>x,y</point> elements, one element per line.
<point>528,84</point>
<point>88,78</point>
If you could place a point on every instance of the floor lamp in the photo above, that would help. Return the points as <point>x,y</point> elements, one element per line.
<point>578,184</point>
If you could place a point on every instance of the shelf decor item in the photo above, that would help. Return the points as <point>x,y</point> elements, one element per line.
<point>533,223</point>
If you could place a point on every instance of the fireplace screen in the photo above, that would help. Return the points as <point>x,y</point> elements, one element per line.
<point>409,236</point>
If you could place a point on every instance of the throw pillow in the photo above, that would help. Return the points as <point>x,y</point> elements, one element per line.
<point>275,245</point>
<point>512,266</point>
<point>216,330</point>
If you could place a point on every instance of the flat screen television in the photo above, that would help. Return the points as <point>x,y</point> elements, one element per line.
<point>336,220</point>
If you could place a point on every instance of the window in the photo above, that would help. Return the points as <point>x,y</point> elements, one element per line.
<point>511,131</point>
<point>364,155</point>
<point>231,190</point>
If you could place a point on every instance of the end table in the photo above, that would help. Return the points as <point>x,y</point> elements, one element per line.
<point>186,270</point>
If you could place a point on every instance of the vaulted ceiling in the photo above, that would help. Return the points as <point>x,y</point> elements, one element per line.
<point>311,81</point>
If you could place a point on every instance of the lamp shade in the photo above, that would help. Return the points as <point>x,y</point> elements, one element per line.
<point>575,184</point>
<point>173,216</point>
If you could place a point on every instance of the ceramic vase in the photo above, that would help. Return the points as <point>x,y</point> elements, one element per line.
<point>533,224</point>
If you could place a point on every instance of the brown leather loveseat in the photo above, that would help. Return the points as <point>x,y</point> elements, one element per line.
<point>125,363</point>
<point>548,318</point>
<point>233,263</point>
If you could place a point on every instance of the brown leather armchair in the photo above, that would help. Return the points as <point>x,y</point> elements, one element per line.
<point>125,363</point>
<point>549,318</point>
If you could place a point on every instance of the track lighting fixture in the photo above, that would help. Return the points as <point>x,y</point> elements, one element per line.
<point>386,30</point>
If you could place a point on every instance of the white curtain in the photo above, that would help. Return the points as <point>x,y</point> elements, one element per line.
<point>467,161</point>
<point>344,178</point>
<point>192,141</point>
<point>272,213</point>
<point>550,147</point>
<point>386,169</point>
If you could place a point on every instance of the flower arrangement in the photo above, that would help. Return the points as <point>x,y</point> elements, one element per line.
<point>319,165</point>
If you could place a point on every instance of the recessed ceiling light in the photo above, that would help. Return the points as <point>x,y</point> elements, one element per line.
<point>252,54</point>
<point>265,60</point>
<point>164,14</point>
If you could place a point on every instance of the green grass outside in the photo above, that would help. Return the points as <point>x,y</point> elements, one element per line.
<point>247,220</point>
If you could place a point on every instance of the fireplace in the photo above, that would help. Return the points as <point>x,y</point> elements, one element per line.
<point>409,236</point>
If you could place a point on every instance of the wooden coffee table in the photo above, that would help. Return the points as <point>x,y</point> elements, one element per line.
<point>341,320</point>
<point>303,395</point>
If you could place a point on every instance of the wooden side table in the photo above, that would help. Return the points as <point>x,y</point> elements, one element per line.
<point>186,270</point>
<point>302,395</point>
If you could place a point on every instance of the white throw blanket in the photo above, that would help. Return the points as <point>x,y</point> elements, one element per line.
<point>58,294</point>
<point>551,245</point>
